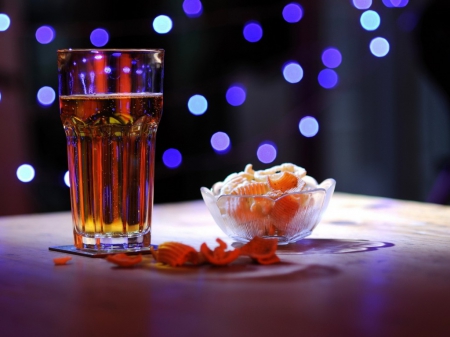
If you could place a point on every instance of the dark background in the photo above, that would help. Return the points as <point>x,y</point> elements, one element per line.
<point>383,128</point>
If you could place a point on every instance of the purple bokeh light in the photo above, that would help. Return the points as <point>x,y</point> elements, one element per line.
<point>253,31</point>
<point>236,95</point>
<point>193,8</point>
<point>331,58</point>
<point>172,158</point>
<point>267,152</point>
<point>46,95</point>
<point>45,34</point>
<point>220,142</point>
<point>379,47</point>
<point>328,78</point>
<point>308,126</point>
<point>292,12</point>
<point>292,72</point>
<point>99,37</point>
<point>362,4</point>
<point>395,3</point>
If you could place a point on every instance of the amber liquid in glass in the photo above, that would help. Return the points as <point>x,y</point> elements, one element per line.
<point>110,146</point>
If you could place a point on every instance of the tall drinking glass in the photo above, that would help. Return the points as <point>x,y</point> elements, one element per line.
<point>111,102</point>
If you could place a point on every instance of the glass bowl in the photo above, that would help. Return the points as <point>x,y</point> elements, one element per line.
<point>290,218</point>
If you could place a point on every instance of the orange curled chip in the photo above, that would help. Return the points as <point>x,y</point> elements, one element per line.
<point>176,254</point>
<point>124,260</point>
<point>60,261</point>
<point>282,181</point>
<point>219,256</point>
<point>261,250</point>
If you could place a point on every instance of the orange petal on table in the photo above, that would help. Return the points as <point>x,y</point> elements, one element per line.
<point>282,181</point>
<point>261,250</point>
<point>60,261</point>
<point>124,260</point>
<point>259,246</point>
<point>219,256</point>
<point>176,254</point>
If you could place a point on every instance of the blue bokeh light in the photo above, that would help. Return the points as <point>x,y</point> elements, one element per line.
<point>45,34</point>
<point>308,126</point>
<point>5,22</point>
<point>370,20</point>
<point>253,31</point>
<point>220,142</point>
<point>331,58</point>
<point>25,173</point>
<point>328,78</point>
<point>197,105</point>
<point>379,47</point>
<point>395,3</point>
<point>192,8</point>
<point>99,37</point>
<point>162,24</point>
<point>46,95</point>
<point>362,4</point>
<point>172,158</point>
<point>267,152</point>
<point>67,179</point>
<point>236,95</point>
<point>292,72</point>
<point>292,12</point>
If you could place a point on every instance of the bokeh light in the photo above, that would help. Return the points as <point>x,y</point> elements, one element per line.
<point>46,95</point>
<point>395,3</point>
<point>45,34</point>
<point>308,126</point>
<point>267,152</point>
<point>292,12</point>
<point>379,47</point>
<point>192,8</point>
<point>0,96</point>
<point>331,58</point>
<point>362,4</point>
<point>253,31</point>
<point>67,179</point>
<point>220,142</point>
<point>162,24</point>
<point>328,78</point>
<point>25,173</point>
<point>197,105</point>
<point>292,72</point>
<point>99,37</point>
<point>172,158</point>
<point>236,95</point>
<point>370,20</point>
<point>5,22</point>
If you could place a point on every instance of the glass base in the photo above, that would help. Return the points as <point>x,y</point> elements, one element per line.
<point>112,243</point>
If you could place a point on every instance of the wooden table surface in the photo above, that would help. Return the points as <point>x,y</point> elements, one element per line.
<point>373,267</point>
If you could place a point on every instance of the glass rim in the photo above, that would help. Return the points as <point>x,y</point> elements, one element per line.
<point>120,50</point>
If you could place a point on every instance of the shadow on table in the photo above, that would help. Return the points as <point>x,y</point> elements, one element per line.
<point>331,246</point>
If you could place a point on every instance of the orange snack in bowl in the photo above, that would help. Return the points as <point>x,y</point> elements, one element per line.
<point>251,208</point>
<point>283,181</point>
